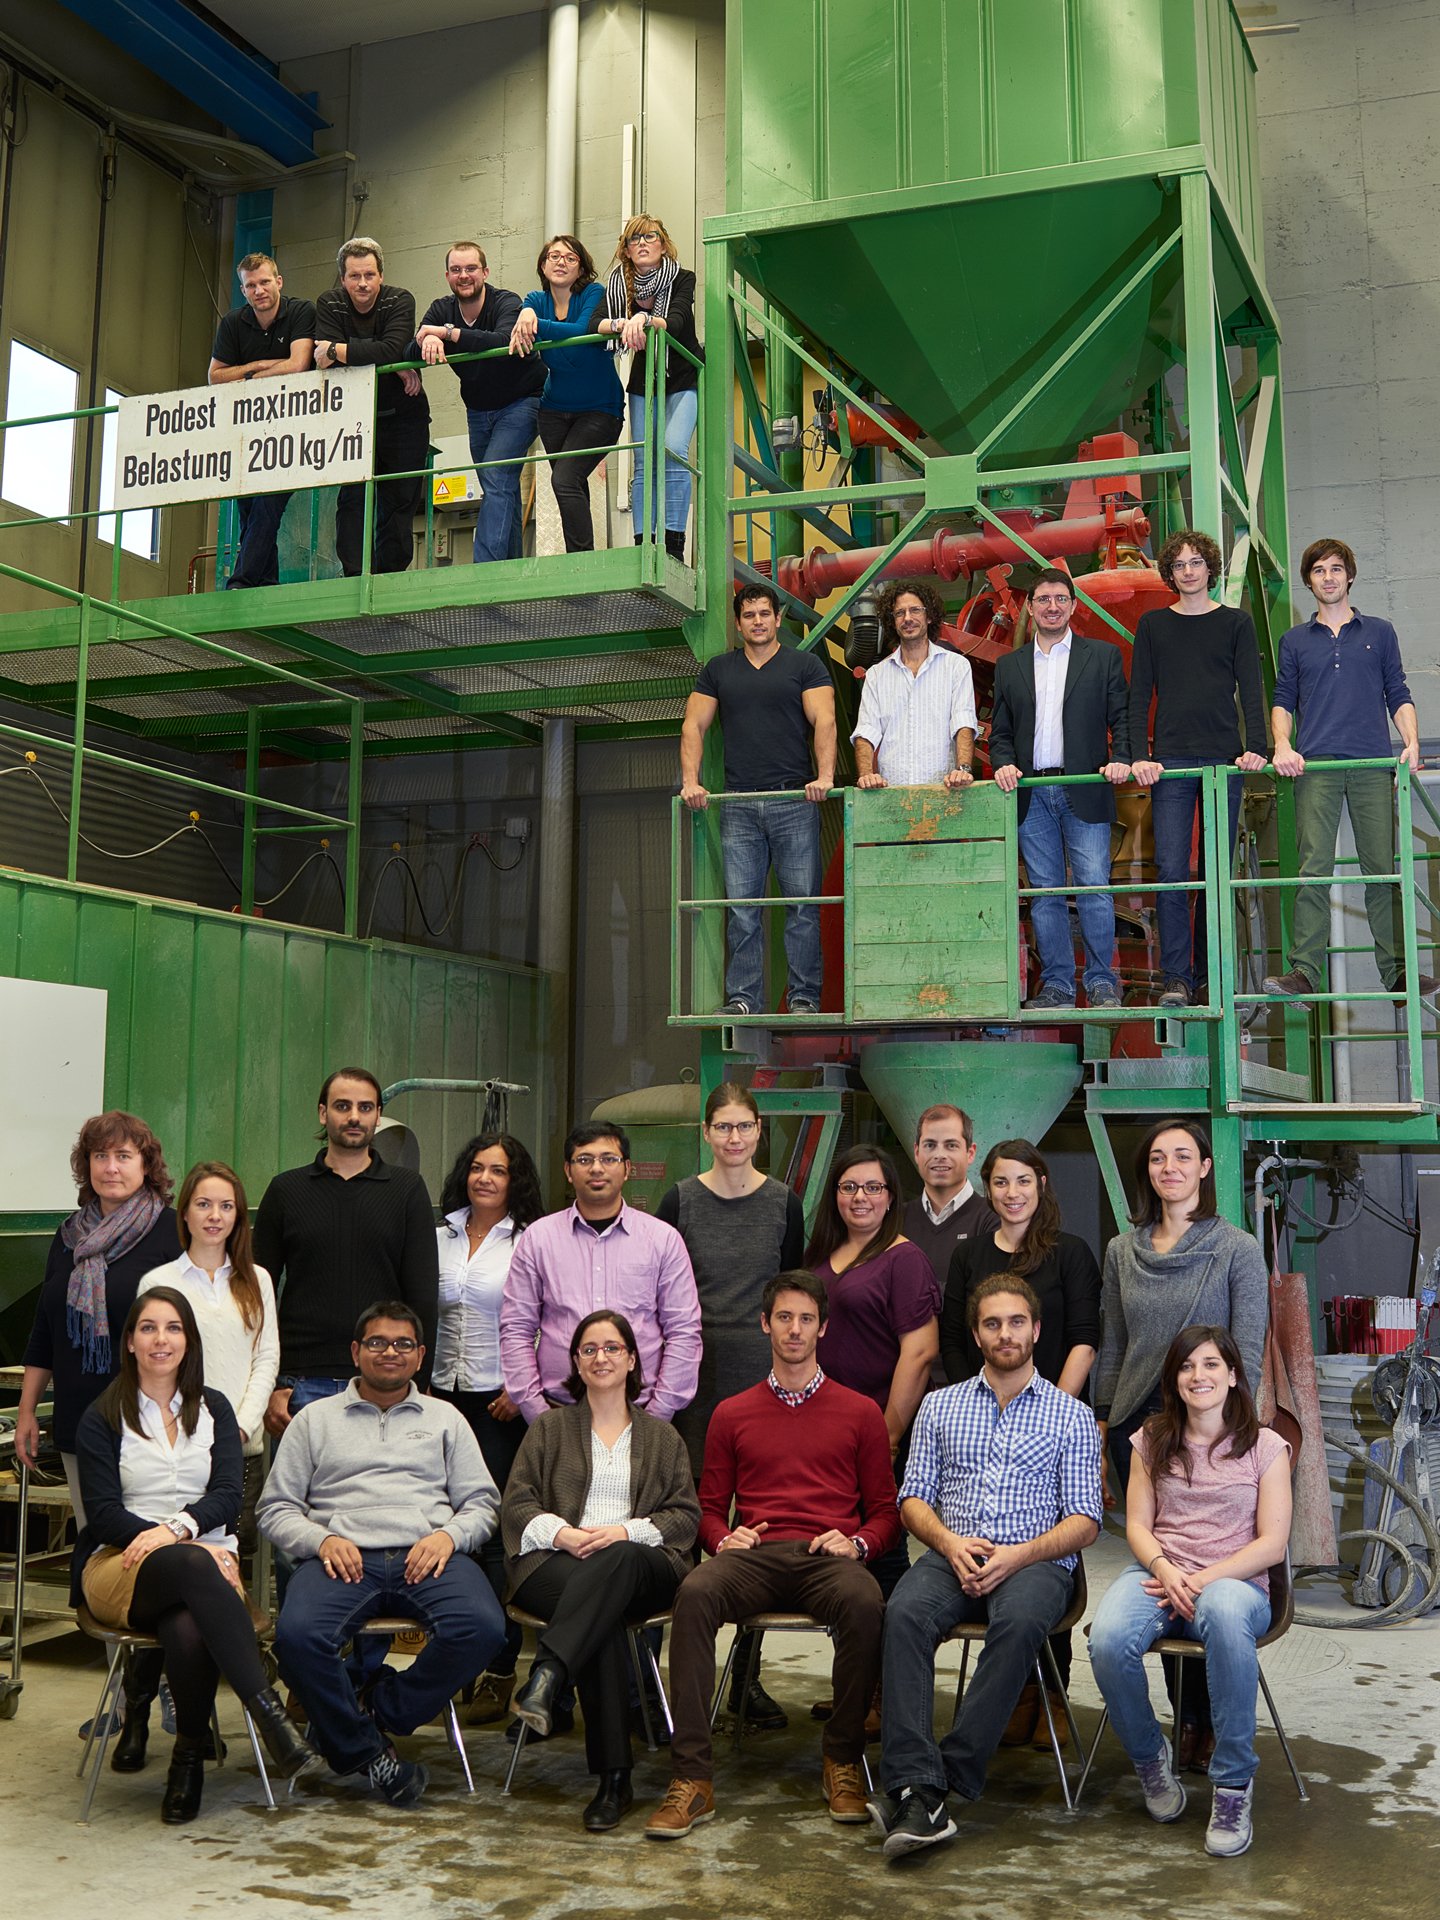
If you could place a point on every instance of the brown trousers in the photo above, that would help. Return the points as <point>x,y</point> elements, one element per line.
<point>774,1578</point>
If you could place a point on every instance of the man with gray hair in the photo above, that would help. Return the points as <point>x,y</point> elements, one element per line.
<point>364,323</point>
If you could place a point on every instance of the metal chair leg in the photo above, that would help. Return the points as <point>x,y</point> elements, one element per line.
<point>960,1681</point>
<point>752,1673</point>
<point>453,1722</point>
<point>660,1695</point>
<point>725,1672</point>
<point>1284,1743</point>
<point>635,1636</point>
<point>1094,1749</point>
<point>101,1706</point>
<point>520,1733</point>
<point>1055,1748</point>
<point>101,1728</point>
<point>255,1749</point>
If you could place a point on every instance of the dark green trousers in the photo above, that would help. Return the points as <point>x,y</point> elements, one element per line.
<point>1369,794</point>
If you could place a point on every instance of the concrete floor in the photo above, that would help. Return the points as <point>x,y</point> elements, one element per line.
<point>1362,1709</point>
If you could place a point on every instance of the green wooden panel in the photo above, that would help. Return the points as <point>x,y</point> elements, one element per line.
<point>891,962</point>
<point>920,999</point>
<point>942,863</point>
<point>928,813</point>
<point>981,914</point>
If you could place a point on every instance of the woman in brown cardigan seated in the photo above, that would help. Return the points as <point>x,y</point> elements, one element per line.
<point>599,1519</point>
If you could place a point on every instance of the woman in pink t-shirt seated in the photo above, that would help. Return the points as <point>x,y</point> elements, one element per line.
<point>1207,1513</point>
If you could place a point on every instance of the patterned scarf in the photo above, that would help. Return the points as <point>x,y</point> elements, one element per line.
<point>652,294</point>
<point>96,1239</point>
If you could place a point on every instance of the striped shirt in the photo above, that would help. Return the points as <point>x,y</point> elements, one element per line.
<point>911,719</point>
<point>607,1501</point>
<point>1005,1474</point>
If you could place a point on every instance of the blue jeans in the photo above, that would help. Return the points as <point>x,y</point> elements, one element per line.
<point>1230,1615</point>
<point>682,410</point>
<point>257,560</point>
<point>1181,916</point>
<point>754,836</point>
<point>1049,835</point>
<point>501,433</point>
<point>457,1610</point>
<point>924,1607</point>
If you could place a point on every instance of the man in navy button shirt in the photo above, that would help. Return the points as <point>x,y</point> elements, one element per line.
<point>1003,1488</point>
<point>1341,672</point>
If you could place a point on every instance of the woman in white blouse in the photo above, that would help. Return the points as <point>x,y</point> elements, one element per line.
<point>599,1522</point>
<point>234,1305</point>
<point>160,1469</point>
<point>491,1195</point>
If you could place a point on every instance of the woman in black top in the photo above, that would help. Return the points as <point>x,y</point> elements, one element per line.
<point>122,1228</point>
<point>1064,1273</point>
<point>648,289</point>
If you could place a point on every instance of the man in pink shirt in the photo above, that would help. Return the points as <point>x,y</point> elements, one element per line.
<point>599,1253</point>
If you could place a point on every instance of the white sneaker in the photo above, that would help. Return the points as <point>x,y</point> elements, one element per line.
<point>1164,1794</point>
<point>1230,1830</point>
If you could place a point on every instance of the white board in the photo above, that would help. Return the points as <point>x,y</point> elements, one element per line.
<point>52,1078</point>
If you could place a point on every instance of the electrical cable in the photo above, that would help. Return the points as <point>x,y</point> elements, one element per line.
<point>320,853</point>
<point>1292,1205</point>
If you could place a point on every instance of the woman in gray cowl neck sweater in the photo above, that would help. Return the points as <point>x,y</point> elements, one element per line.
<point>1181,1265</point>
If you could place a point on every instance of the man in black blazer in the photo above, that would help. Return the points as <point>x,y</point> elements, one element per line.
<point>1062,706</point>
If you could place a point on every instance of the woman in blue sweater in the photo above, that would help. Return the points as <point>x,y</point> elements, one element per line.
<point>583,405</point>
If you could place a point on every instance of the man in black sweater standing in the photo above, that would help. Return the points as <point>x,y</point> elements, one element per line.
<point>364,323</point>
<point>343,1231</point>
<point>948,1209</point>
<point>1193,657</point>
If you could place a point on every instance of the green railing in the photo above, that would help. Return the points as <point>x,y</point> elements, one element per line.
<point>892,837</point>
<point>648,479</point>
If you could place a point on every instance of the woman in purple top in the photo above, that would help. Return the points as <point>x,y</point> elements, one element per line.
<point>1207,1514</point>
<point>883,1330</point>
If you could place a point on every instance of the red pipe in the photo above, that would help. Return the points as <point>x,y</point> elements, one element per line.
<point>948,555</point>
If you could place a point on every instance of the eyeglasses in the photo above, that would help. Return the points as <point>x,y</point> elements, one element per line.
<point>872,1187</point>
<point>376,1343</point>
<point>612,1349</point>
<point>559,257</point>
<point>727,1127</point>
<point>640,239</point>
<point>585,1161</point>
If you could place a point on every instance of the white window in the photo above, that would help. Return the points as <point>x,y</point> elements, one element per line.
<point>39,461</point>
<point>140,531</point>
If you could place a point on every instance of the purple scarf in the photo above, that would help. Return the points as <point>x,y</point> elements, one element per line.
<point>96,1239</point>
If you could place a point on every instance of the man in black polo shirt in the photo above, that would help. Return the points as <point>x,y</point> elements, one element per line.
<point>364,323</point>
<point>771,699</point>
<point>343,1231</point>
<point>267,334</point>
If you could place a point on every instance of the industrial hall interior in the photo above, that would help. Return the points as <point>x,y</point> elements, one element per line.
<point>602,602</point>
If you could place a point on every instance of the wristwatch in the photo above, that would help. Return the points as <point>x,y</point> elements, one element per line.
<point>859,1545</point>
<point>177,1526</point>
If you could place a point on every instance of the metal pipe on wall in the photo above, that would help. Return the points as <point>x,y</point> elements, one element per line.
<point>562,109</point>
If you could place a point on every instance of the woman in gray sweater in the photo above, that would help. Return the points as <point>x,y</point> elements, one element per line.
<point>1182,1265</point>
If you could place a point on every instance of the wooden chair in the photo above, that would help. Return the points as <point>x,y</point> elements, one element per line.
<point>1282,1613</point>
<point>642,1658</point>
<point>120,1644</point>
<point>1048,1681</point>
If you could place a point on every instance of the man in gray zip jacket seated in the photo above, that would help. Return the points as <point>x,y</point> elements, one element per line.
<point>380,1494</point>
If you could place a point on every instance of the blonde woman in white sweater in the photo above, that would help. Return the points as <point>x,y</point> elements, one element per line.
<point>234,1305</point>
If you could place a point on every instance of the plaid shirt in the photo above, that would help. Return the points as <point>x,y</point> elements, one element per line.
<point>1005,1475</point>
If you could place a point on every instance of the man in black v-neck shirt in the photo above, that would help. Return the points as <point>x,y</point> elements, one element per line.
<point>772,701</point>
<point>266,335</point>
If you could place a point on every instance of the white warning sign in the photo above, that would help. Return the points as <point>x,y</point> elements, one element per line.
<point>248,436</point>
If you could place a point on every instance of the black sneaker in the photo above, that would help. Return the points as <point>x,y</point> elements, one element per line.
<point>1049,999</point>
<point>740,1009</point>
<point>803,1006</point>
<point>762,1714</point>
<point>884,1812</point>
<point>921,1822</point>
<point>401,1782</point>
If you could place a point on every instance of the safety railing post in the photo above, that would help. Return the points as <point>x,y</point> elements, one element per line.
<point>77,762</point>
<point>352,808</point>
<point>252,780</point>
<point>1409,949</point>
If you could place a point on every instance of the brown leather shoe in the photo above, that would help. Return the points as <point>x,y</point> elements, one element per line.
<point>490,1702</point>
<point>685,1805</point>
<point>1196,1748</point>
<point>1041,1738</point>
<point>1020,1728</point>
<point>844,1792</point>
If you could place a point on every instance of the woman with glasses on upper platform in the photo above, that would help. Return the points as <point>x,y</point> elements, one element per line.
<point>648,290</point>
<point>583,404</point>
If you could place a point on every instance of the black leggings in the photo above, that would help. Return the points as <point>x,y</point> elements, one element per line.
<point>182,1597</point>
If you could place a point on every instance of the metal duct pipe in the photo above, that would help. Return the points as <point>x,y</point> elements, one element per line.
<point>562,105</point>
<point>947,555</point>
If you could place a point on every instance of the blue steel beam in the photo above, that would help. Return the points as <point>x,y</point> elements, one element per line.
<point>234,87</point>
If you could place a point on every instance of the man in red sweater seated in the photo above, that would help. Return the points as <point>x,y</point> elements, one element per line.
<point>805,1463</point>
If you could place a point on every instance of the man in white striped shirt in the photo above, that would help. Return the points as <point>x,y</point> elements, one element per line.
<point>917,706</point>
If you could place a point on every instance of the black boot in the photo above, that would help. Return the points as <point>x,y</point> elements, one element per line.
<point>613,1800</point>
<point>290,1752</point>
<point>142,1683</point>
<point>675,545</point>
<point>534,1703</point>
<point>184,1783</point>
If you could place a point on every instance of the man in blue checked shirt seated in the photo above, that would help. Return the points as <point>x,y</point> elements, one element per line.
<point>1003,1487</point>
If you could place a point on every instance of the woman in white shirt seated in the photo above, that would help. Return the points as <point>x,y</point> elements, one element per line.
<point>599,1522</point>
<point>160,1470</point>
<point>491,1195</point>
<point>234,1305</point>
